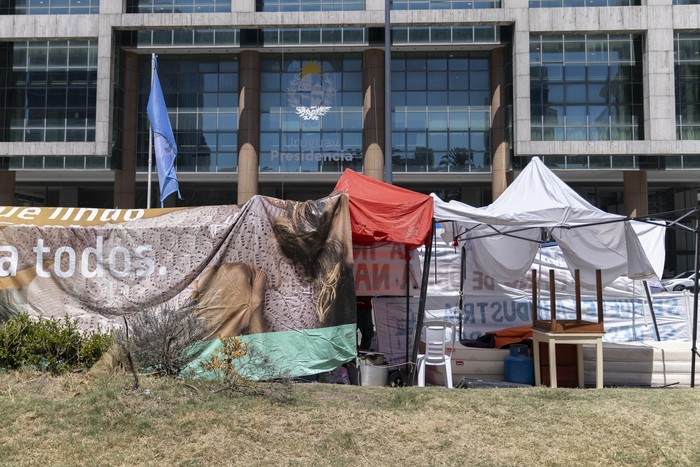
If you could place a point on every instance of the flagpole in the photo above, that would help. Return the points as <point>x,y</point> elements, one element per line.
<point>150,146</point>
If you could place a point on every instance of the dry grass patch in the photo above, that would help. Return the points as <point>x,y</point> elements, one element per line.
<point>59,421</point>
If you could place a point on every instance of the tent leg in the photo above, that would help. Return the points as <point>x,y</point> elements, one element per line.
<point>651,307</point>
<point>421,304</point>
<point>462,274</point>
<point>408,300</point>
<point>695,301</point>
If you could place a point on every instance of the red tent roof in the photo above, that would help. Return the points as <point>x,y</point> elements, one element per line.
<point>380,212</point>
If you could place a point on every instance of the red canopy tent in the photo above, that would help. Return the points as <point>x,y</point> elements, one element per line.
<point>380,212</point>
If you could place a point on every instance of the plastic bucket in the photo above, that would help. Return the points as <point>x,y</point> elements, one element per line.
<point>373,375</point>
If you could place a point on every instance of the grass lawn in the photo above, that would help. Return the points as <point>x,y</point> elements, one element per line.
<point>67,420</point>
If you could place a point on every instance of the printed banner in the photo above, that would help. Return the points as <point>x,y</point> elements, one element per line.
<point>380,269</point>
<point>625,319</point>
<point>489,305</point>
<point>271,266</point>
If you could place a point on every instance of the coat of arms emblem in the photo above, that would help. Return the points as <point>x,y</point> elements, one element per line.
<point>311,92</point>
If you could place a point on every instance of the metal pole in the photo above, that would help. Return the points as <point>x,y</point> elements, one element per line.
<point>651,308</point>
<point>421,303</point>
<point>407,257</point>
<point>695,300</point>
<point>462,277</point>
<point>150,145</point>
<point>387,93</point>
<point>150,163</point>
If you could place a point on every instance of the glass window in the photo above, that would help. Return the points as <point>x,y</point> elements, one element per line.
<point>437,141</point>
<point>49,7</point>
<point>416,99</point>
<point>596,95</point>
<point>445,126</point>
<point>47,93</point>
<point>177,6</point>
<point>553,73</point>
<point>575,73</point>
<point>586,3</point>
<point>480,121</point>
<point>352,119</point>
<point>479,80</point>
<point>416,120</point>
<point>574,51</point>
<point>307,5</point>
<point>311,111</point>
<point>458,80</point>
<point>597,51</point>
<point>438,99</point>
<point>442,4</point>
<point>457,35</point>
<point>687,84</point>
<point>552,52</point>
<point>597,72</point>
<point>202,107</point>
<point>555,94</point>
<point>417,80</point>
<point>188,37</point>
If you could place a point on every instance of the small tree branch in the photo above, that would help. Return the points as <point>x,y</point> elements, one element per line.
<point>129,360</point>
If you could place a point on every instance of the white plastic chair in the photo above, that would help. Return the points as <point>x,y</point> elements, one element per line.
<point>435,351</point>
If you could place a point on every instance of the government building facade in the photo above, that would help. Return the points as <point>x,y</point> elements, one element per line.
<point>279,97</point>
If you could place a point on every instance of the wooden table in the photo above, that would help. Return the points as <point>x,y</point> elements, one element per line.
<point>553,338</point>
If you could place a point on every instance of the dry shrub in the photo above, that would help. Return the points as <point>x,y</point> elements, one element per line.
<point>166,339</point>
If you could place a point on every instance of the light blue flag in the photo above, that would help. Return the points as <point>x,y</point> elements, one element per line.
<point>163,139</point>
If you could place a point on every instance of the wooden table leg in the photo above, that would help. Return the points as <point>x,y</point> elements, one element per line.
<point>579,363</point>
<point>536,358</point>
<point>552,364</point>
<point>599,363</point>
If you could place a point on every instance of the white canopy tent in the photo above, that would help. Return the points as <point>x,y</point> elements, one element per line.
<point>504,237</point>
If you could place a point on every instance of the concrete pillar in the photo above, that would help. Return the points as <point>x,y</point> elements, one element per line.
<point>521,70</point>
<point>499,123</point>
<point>113,7</point>
<point>105,82</point>
<point>659,84</point>
<point>243,6</point>
<point>373,113</point>
<point>248,125</point>
<point>7,187</point>
<point>635,193</point>
<point>125,175</point>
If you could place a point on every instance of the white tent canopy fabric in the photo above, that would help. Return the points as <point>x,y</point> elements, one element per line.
<point>504,237</point>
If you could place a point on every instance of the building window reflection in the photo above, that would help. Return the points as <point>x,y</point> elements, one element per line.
<point>311,112</point>
<point>201,94</point>
<point>178,6</point>
<point>581,3</point>
<point>443,4</point>
<point>187,38</point>
<point>49,7</point>
<point>441,112</point>
<point>586,87</point>
<point>309,5</point>
<point>50,91</point>
<point>687,77</point>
